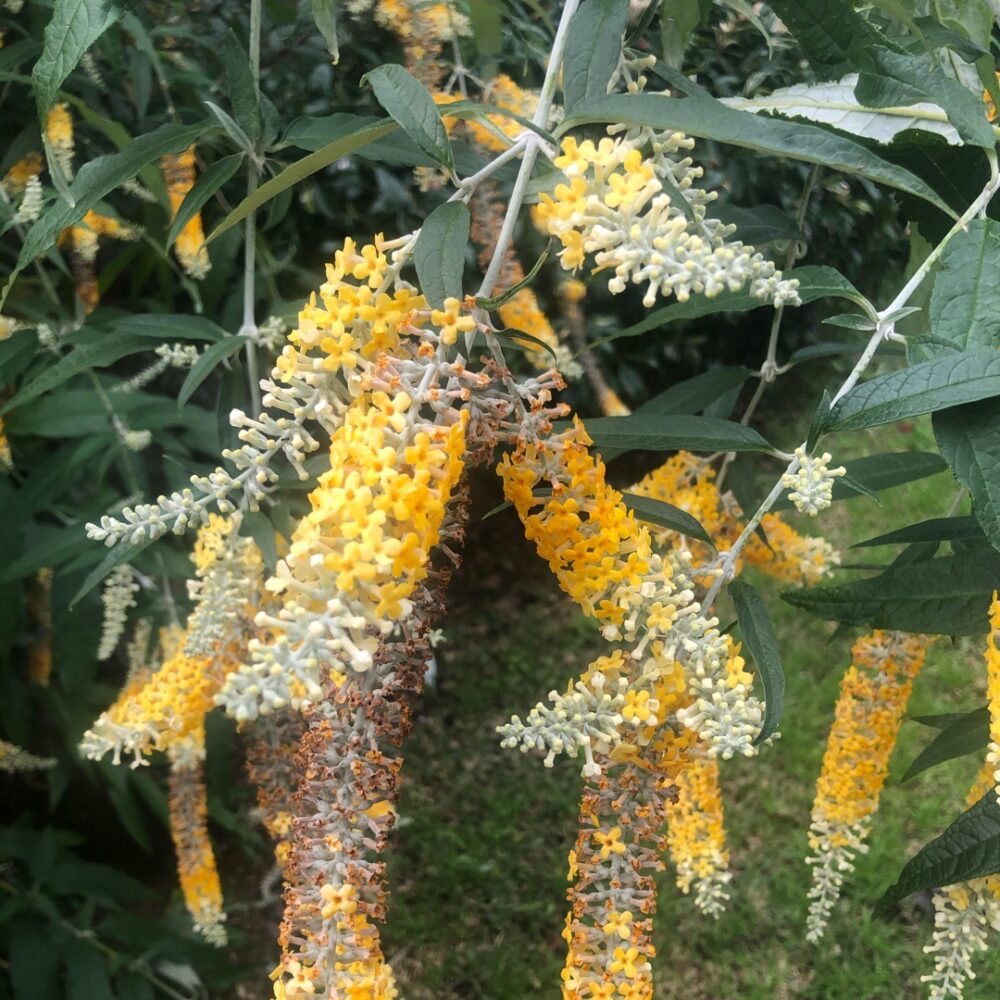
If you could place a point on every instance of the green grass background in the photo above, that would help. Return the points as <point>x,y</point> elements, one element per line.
<point>478,863</point>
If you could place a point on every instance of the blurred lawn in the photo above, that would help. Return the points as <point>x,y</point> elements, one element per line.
<point>477,867</point>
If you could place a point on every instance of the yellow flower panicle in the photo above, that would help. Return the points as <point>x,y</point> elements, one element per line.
<point>605,561</point>
<point>612,871</point>
<point>873,698</point>
<point>83,241</point>
<point>357,557</point>
<point>163,709</point>
<point>14,758</point>
<point>688,482</point>
<point>188,807</point>
<point>963,915</point>
<point>40,610</point>
<point>696,835</point>
<point>614,206</point>
<point>16,179</point>
<point>993,687</point>
<point>503,92</point>
<point>190,247</point>
<point>59,134</point>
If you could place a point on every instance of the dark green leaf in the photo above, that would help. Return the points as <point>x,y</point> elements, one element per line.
<point>965,303</point>
<point>86,972</point>
<point>525,341</point>
<point>205,365</point>
<point>831,350</point>
<point>755,627</point>
<point>206,186</point>
<point>939,721</point>
<point>831,33</point>
<point>95,180</point>
<point>921,388</point>
<point>439,254</point>
<point>672,433</point>
<point>937,529</point>
<point>122,553</point>
<point>969,848</point>
<point>856,486</point>
<point>33,973</point>
<point>944,596</point>
<point>258,526</point>
<point>708,119</point>
<point>486,26</point>
<point>241,87</point>
<point>301,169</point>
<point>679,18</point>
<point>757,226</point>
<point>324,13</point>
<point>167,327</point>
<point>593,48</point>
<point>75,26</point>
<point>819,423</point>
<point>892,79</point>
<point>694,394</point>
<point>666,515</point>
<point>966,734</point>
<point>969,439</point>
<point>410,104</point>
<point>99,352</point>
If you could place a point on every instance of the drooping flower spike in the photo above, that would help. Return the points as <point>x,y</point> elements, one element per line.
<point>873,698</point>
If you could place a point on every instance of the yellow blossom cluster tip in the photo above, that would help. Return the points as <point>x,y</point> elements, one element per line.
<point>6,458</point>
<point>191,249</point>
<point>873,697</point>
<point>964,914</point>
<point>196,867</point>
<point>697,837</point>
<point>59,135</point>
<point>614,205</point>
<point>688,482</point>
<point>522,312</point>
<point>83,241</point>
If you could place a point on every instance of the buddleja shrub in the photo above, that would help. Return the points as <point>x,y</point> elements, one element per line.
<point>326,531</point>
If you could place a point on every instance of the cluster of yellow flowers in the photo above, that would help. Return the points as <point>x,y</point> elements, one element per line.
<point>696,835</point>
<point>191,249</point>
<point>188,806</point>
<point>688,482</point>
<point>873,697</point>
<point>619,205</point>
<point>964,913</point>
<point>605,561</point>
<point>356,557</point>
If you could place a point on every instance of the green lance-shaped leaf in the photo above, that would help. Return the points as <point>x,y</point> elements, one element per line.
<point>439,254</point>
<point>694,394</point>
<point>758,635</point>
<point>324,14</point>
<point>709,119</point>
<point>875,473</point>
<point>593,47</point>
<point>206,364</point>
<point>666,515</point>
<point>966,734</point>
<point>969,848</point>
<point>300,170</point>
<point>944,596</point>
<point>969,439</point>
<point>95,180</point>
<point>921,388</point>
<point>75,26</point>
<point>965,303</point>
<point>673,433</point>
<point>99,352</point>
<point>832,35</point>
<point>206,186</point>
<point>169,327</point>
<point>409,103</point>
<point>896,79</point>
<point>936,529</point>
<point>241,87</point>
